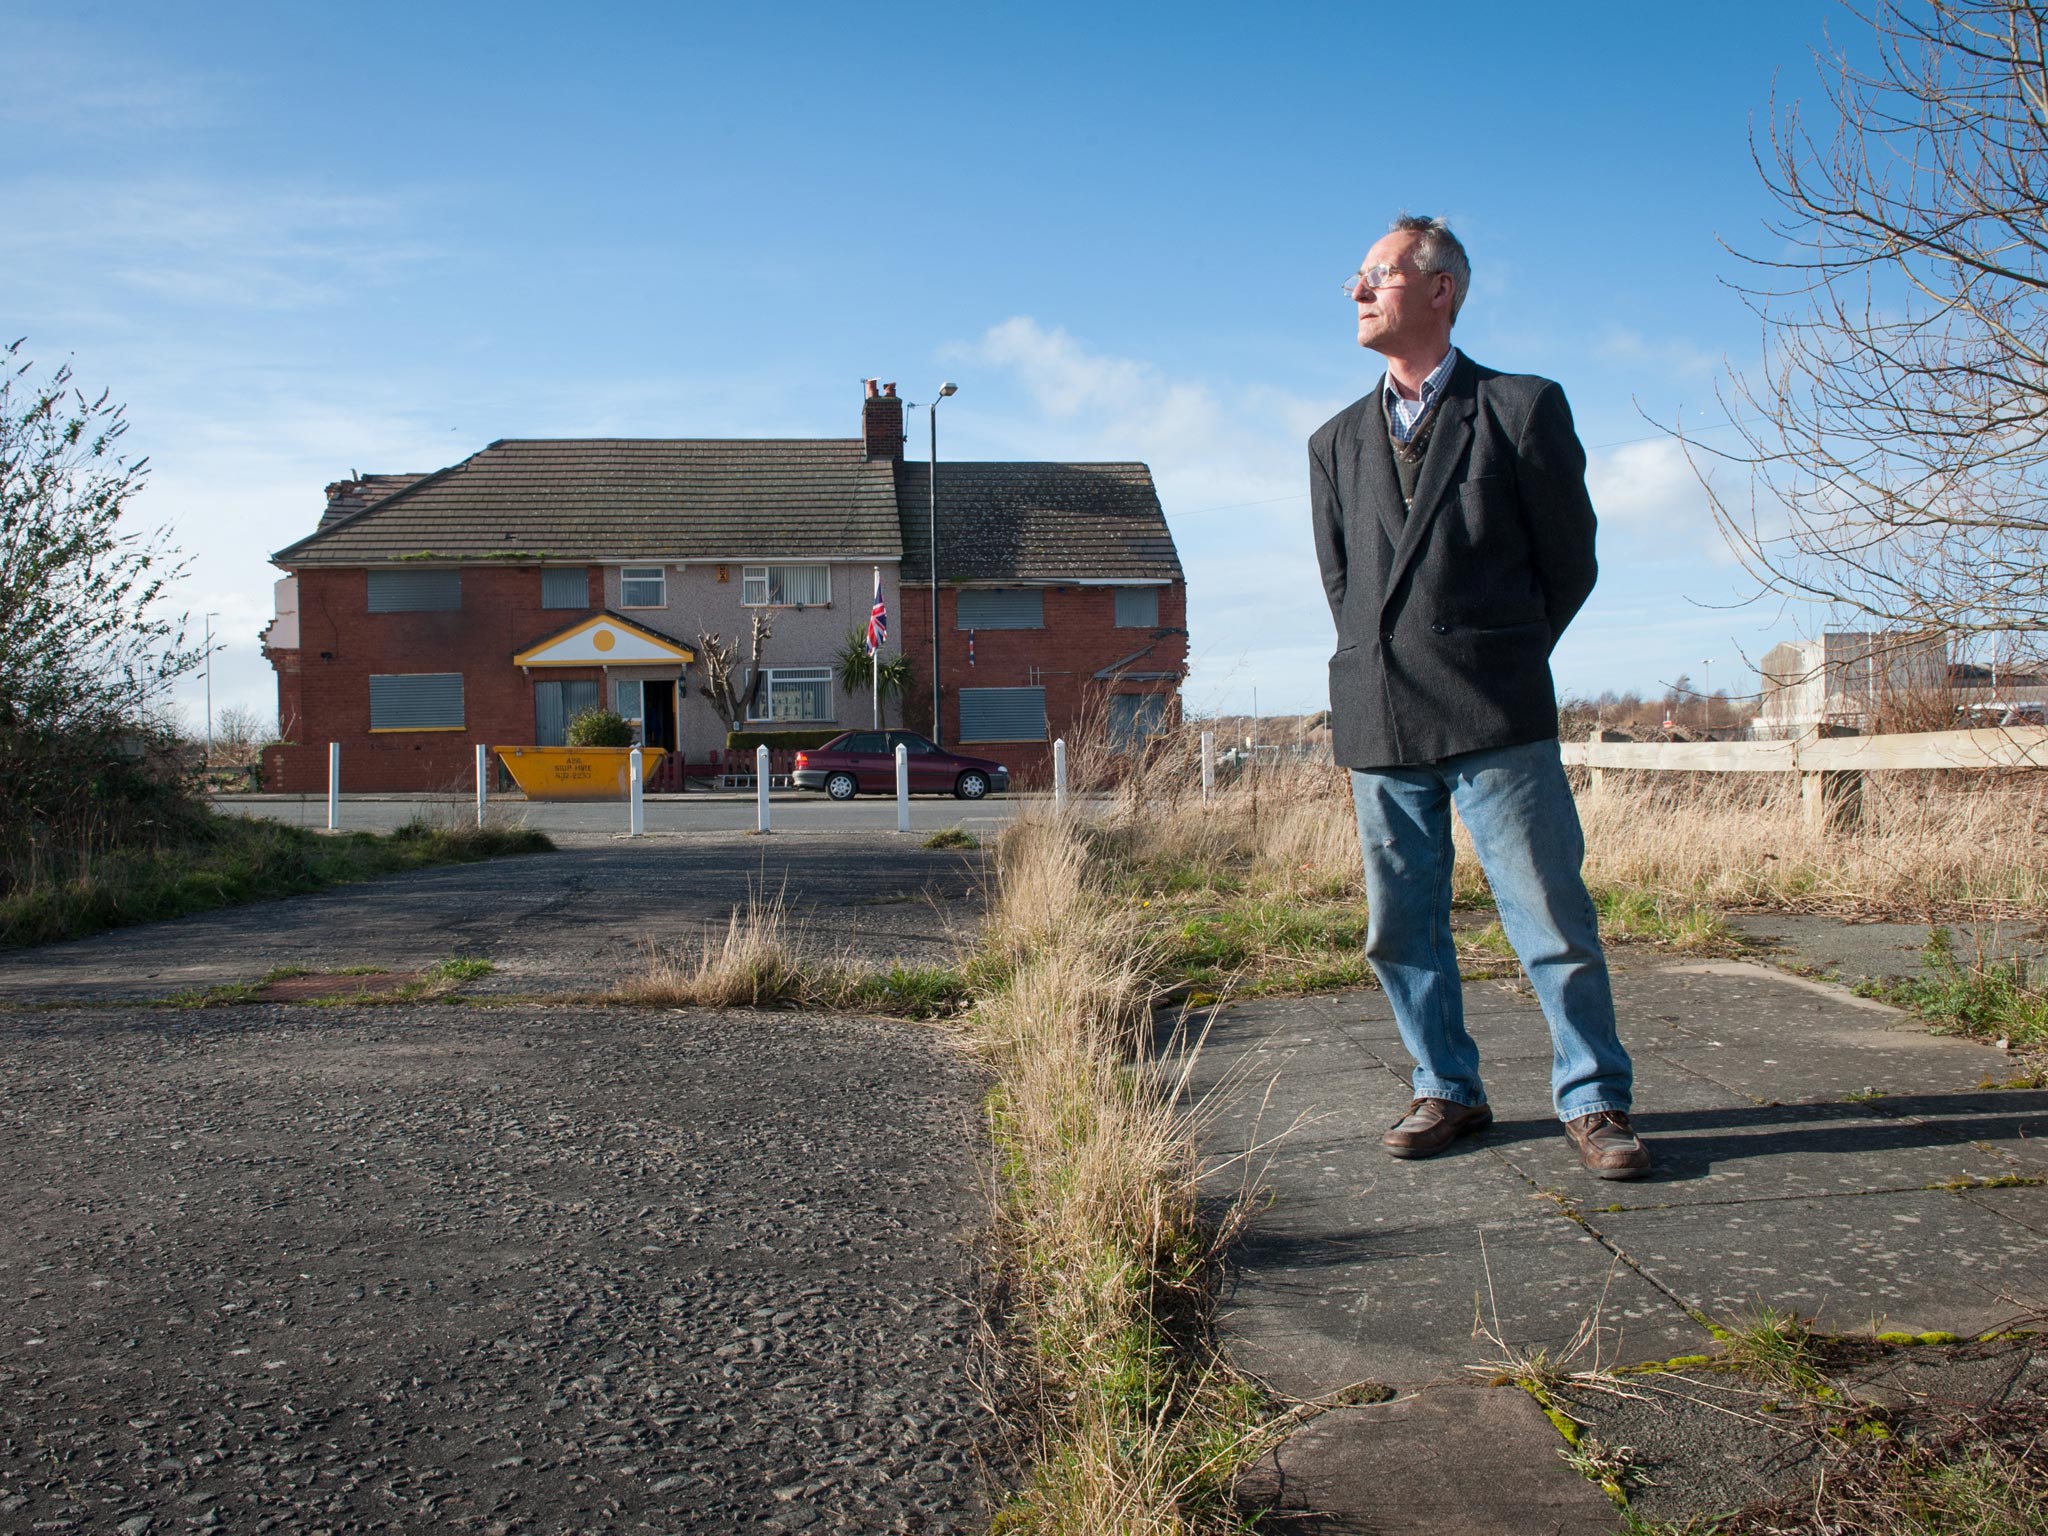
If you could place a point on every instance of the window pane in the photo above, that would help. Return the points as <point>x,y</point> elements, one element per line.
<point>640,586</point>
<point>415,591</point>
<point>799,693</point>
<point>754,586</point>
<point>807,584</point>
<point>565,589</point>
<point>628,697</point>
<point>1137,607</point>
<point>418,701</point>
<point>555,704</point>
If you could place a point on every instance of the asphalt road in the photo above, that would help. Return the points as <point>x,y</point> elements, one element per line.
<point>575,920</point>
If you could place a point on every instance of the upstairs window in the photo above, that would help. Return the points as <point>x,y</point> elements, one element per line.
<point>1000,608</point>
<point>785,586</point>
<point>643,586</point>
<point>1137,607</point>
<point>415,591</point>
<point>565,589</point>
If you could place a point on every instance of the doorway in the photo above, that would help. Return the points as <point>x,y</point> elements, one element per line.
<point>658,728</point>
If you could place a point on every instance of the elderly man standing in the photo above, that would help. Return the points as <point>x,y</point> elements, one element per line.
<point>1456,542</point>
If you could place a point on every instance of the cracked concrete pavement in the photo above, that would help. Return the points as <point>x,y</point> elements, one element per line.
<point>1815,1151</point>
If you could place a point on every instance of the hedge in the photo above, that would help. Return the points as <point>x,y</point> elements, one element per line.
<point>781,741</point>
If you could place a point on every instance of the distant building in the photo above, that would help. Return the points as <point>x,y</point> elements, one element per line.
<point>494,600</point>
<point>1854,680</point>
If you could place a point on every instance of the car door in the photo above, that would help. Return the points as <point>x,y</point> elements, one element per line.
<point>866,756</point>
<point>930,773</point>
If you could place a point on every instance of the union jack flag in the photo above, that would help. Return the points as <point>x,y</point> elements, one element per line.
<point>878,619</point>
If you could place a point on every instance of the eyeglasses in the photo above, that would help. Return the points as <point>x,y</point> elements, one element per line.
<point>1374,276</point>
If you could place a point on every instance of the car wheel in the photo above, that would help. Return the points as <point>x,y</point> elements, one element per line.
<point>840,786</point>
<point>971,785</point>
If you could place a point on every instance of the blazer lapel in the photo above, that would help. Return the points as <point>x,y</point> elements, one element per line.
<point>1376,470</point>
<point>1447,445</point>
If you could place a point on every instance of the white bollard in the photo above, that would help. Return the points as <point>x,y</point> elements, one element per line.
<point>761,787</point>
<point>636,818</point>
<point>334,786</point>
<point>902,788</point>
<point>483,782</point>
<point>1059,774</point>
<point>1208,764</point>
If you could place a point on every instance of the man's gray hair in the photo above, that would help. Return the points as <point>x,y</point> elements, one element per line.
<point>1438,251</point>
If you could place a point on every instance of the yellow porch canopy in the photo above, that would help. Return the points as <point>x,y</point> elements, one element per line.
<point>605,641</point>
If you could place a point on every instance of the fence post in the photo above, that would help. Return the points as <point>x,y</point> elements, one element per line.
<point>1208,764</point>
<point>1059,774</point>
<point>902,788</point>
<point>1596,777</point>
<point>761,789</point>
<point>636,783</point>
<point>334,786</point>
<point>1831,800</point>
<point>483,792</point>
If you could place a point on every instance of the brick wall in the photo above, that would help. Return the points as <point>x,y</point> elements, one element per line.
<point>325,684</point>
<point>1080,638</point>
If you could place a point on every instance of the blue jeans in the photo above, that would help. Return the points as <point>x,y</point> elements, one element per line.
<point>1517,805</point>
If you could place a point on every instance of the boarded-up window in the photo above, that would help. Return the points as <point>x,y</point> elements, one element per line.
<point>1001,608</point>
<point>415,591</point>
<point>1002,714</point>
<point>1137,607</point>
<point>555,704</point>
<point>1134,717</point>
<point>565,589</point>
<point>416,701</point>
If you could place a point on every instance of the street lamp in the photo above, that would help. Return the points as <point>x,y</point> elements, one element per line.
<point>1707,691</point>
<point>944,391</point>
<point>209,688</point>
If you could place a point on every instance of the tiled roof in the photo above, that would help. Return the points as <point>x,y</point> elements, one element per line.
<point>1036,522</point>
<point>345,498</point>
<point>644,498</point>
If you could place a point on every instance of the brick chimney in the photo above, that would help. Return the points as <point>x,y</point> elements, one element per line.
<point>881,423</point>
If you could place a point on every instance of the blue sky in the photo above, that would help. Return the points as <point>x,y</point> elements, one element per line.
<point>300,239</point>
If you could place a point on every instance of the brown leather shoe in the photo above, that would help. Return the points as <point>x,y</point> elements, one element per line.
<point>1608,1145</point>
<point>1430,1125</point>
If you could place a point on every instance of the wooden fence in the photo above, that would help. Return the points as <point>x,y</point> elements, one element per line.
<point>1830,768</point>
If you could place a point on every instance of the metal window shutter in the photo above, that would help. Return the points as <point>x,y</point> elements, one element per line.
<point>415,591</point>
<point>1137,607</point>
<point>1001,608</point>
<point>565,589</point>
<point>1002,714</point>
<point>415,701</point>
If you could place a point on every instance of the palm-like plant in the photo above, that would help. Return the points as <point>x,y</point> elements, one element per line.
<point>857,669</point>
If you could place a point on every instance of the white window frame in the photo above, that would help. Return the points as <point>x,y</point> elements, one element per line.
<point>630,575</point>
<point>764,698</point>
<point>636,717</point>
<point>763,578</point>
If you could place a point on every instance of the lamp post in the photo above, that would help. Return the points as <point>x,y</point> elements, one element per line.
<point>944,391</point>
<point>1707,691</point>
<point>209,688</point>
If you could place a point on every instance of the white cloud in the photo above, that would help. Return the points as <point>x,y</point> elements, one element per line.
<point>1648,483</point>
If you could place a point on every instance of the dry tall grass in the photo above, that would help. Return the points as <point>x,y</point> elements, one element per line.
<point>1106,1260</point>
<point>1929,844</point>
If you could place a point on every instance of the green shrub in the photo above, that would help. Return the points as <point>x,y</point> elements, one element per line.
<point>600,728</point>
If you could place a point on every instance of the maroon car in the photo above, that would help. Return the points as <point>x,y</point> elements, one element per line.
<point>865,762</point>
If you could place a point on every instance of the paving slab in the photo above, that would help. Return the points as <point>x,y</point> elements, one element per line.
<point>1477,1461</point>
<point>1817,1151</point>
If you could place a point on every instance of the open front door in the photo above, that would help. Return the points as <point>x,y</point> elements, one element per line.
<point>659,701</point>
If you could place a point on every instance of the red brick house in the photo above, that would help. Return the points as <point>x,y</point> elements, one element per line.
<point>492,601</point>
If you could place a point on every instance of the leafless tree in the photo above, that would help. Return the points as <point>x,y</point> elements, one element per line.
<point>728,688</point>
<point>1896,439</point>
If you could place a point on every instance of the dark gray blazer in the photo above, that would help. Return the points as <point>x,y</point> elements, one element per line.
<point>1445,620</point>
